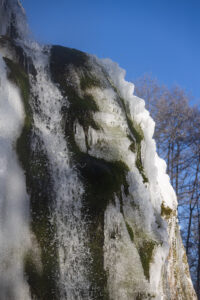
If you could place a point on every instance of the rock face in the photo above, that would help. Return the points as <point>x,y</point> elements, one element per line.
<point>101,215</point>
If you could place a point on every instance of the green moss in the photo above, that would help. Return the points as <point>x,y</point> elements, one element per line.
<point>130,231</point>
<point>166,211</point>
<point>85,104</point>
<point>134,128</point>
<point>137,132</point>
<point>88,81</point>
<point>82,105</point>
<point>136,147</point>
<point>139,163</point>
<point>132,147</point>
<point>102,180</point>
<point>146,251</point>
<point>82,109</point>
<point>145,246</point>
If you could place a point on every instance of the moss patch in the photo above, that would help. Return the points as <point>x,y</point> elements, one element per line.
<point>146,251</point>
<point>139,163</point>
<point>137,133</point>
<point>166,211</point>
<point>132,147</point>
<point>81,104</point>
<point>102,180</point>
<point>130,231</point>
<point>88,81</point>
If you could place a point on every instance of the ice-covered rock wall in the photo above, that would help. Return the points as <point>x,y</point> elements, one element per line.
<point>96,215</point>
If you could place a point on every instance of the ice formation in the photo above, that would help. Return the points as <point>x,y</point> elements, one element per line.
<point>87,210</point>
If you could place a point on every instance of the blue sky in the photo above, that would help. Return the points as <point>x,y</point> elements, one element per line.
<point>161,37</point>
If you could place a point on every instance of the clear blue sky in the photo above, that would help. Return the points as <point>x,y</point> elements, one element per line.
<point>157,36</point>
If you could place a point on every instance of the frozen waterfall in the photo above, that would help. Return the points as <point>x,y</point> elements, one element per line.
<point>87,211</point>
